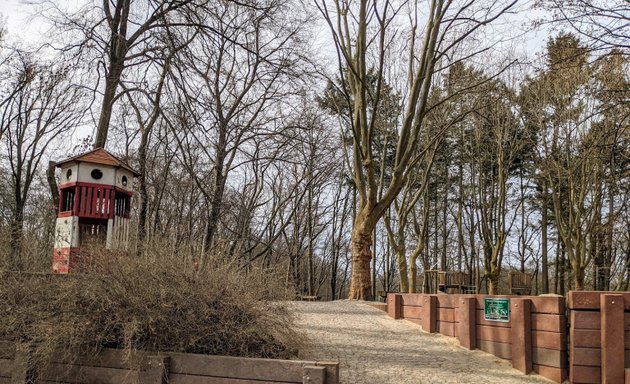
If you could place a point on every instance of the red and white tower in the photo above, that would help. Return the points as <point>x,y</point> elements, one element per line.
<point>94,206</point>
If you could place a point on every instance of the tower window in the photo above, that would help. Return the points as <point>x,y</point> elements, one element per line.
<point>67,199</point>
<point>123,204</point>
<point>68,174</point>
<point>96,174</point>
<point>124,181</point>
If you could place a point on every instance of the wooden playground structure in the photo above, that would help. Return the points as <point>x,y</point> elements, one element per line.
<point>458,282</point>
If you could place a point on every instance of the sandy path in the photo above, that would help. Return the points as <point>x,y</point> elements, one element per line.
<point>375,349</point>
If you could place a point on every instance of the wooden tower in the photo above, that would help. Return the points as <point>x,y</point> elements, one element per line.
<point>94,206</point>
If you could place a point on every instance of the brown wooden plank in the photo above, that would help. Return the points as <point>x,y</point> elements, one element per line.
<point>429,316</point>
<point>591,357</point>
<point>237,367</point>
<point>496,334</point>
<point>332,371</point>
<point>585,338</point>
<point>551,340</point>
<point>394,304</point>
<point>585,319</point>
<point>585,375</point>
<point>540,304</point>
<point>466,327</point>
<point>558,375</point>
<point>446,315</point>
<point>446,329</point>
<point>548,322</point>
<point>447,301</point>
<point>502,350</point>
<point>415,321</point>
<point>549,357</point>
<point>627,376</point>
<point>68,373</point>
<point>106,358</point>
<point>521,334</point>
<point>590,299</point>
<point>408,312</point>
<point>414,299</point>
<point>612,306</point>
<point>314,375</point>
<point>6,367</point>
<point>190,379</point>
<point>481,321</point>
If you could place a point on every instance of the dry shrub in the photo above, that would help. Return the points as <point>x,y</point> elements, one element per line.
<point>128,303</point>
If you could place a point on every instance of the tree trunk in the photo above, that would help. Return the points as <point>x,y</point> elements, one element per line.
<point>402,270</point>
<point>52,185</point>
<point>109,97</point>
<point>144,194</point>
<point>493,283</point>
<point>360,288</point>
<point>544,243</point>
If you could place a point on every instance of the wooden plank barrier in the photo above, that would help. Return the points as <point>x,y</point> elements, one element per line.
<point>534,339</point>
<point>118,367</point>
<point>599,337</point>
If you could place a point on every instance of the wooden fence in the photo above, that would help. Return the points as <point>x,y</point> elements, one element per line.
<point>599,337</point>
<point>534,338</point>
<point>118,367</point>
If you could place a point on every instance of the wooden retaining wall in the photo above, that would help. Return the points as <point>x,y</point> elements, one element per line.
<point>118,367</point>
<point>599,337</point>
<point>534,339</point>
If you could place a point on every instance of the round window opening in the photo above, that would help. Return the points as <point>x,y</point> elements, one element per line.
<point>124,181</point>
<point>68,174</point>
<point>96,174</point>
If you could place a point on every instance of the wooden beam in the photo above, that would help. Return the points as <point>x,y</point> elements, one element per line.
<point>612,339</point>
<point>467,325</point>
<point>521,334</point>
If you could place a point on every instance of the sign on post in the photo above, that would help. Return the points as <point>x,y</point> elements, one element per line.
<point>496,309</point>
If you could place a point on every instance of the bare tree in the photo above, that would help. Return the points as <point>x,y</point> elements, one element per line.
<point>362,32</point>
<point>42,106</point>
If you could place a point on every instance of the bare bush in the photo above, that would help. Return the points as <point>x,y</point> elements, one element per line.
<point>127,303</point>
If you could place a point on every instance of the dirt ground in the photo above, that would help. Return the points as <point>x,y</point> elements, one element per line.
<point>375,349</point>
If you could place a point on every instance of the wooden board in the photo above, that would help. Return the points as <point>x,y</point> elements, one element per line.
<point>558,375</point>
<point>501,350</point>
<point>550,340</point>
<point>234,367</point>
<point>412,299</point>
<point>585,375</point>
<point>188,379</point>
<point>548,322</point>
<point>408,312</point>
<point>496,334</point>
<point>591,299</point>
<point>68,373</point>
<point>549,357</point>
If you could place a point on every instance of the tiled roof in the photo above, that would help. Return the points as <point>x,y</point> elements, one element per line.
<point>98,156</point>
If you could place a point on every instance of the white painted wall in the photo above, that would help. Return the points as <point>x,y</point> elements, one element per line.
<point>85,170</point>
<point>67,232</point>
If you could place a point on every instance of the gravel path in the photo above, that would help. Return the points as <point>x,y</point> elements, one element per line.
<point>375,349</point>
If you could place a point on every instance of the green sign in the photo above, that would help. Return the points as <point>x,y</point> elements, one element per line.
<point>496,309</point>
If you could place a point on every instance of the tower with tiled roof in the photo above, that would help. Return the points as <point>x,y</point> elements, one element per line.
<point>94,206</point>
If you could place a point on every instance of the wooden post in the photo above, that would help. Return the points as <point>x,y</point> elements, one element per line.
<point>467,326</point>
<point>612,339</point>
<point>521,334</point>
<point>332,371</point>
<point>314,375</point>
<point>394,304</point>
<point>156,371</point>
<point>429,313</point>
